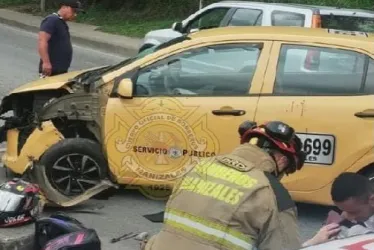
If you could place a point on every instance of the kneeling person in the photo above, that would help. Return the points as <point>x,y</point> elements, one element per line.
<point>236,201</point>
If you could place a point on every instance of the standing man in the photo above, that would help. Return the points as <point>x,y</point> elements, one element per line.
<point>236,201</point>
<point>54,44</point>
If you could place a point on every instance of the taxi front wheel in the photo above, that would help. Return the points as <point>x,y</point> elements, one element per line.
<point>74,165</point>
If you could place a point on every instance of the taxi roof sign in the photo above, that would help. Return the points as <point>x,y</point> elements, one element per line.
<point>347,32</point>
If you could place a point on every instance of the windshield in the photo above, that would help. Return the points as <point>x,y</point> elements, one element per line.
<point>149,51</point>
<point>163,46</point>
<point>349,23</point>
<point>95,75</point>
<point>9,201</point>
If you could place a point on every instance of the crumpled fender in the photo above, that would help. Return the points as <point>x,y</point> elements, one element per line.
<point>53,198</point>
<point>37,143</point>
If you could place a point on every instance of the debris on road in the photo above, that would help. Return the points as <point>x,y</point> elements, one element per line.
<point>137,236</point>
<point>142,236</point>
<point>124,237</point>
<point>103,185</point>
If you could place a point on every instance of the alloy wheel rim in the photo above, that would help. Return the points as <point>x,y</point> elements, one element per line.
<point>73,174</point>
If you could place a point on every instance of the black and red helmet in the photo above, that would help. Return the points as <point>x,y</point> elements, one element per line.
<point>276,135</point>
<point>20,203</point>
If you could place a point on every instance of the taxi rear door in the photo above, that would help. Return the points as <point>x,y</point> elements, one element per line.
<point>186,106</point>
<point>331,108</point>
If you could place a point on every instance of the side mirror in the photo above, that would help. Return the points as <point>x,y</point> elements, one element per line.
<point>177,26</point>
<point>125,88</point>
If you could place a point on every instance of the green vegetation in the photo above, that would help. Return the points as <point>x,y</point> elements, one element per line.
<point>124,24</point>
<point>6,3</point>
<point>137,17</point>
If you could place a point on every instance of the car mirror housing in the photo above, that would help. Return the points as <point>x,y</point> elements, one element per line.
<point>125,88</point>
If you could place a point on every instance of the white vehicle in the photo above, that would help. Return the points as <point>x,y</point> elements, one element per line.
<point>244,13</point>
<point>361,242</point>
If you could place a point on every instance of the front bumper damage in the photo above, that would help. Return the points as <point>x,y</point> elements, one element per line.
<point>28,139</point>
<point>37,143</point>
<point>27,163</point>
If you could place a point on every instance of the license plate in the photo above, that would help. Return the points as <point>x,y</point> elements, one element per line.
<point>319,148</point>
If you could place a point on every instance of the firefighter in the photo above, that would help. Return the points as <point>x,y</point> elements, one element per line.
<point>236,201</point>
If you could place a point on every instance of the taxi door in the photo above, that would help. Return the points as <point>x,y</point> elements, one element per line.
<point>331,108</point>
<point>186,106</point>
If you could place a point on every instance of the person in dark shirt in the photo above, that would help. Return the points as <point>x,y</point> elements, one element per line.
<point>54,44</point>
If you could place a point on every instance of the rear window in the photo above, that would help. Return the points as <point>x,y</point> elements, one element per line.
<point>339,72</point>
<point>353,23</point>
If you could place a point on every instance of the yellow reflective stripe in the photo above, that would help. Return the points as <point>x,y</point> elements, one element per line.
<point>219,171</point>
<point>208,230</point>
<point>206,233</point>
<point>208,223</point>
<point>211,189</point>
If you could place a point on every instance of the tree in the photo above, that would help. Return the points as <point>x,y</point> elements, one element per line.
<point>42,6</point>
<point>201,3</point>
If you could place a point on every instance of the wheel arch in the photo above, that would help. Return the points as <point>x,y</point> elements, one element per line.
<point>367,169</point>
<point>80,111</point>
<point>364,165</point>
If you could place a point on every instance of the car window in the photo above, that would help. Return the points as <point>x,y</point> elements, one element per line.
<point>246,17</point>
<point>351,23</point>
<point>284,18</point>
<point>334,71</point>
<point>220,70</point>
<point>210,19</point>
<point>369,83</point>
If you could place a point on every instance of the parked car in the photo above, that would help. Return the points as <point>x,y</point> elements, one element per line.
<point>248,13</point>
<point>148,120</point>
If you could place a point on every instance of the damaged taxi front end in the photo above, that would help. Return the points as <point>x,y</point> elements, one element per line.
<point>45,113</point>
<point>55,136</point>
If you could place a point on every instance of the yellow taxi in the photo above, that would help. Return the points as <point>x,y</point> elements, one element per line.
<point>148,120</point>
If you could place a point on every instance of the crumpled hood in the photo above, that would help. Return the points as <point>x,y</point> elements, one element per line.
<point>53,82</point>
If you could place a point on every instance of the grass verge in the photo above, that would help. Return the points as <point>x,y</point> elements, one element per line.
<point>121,22</point>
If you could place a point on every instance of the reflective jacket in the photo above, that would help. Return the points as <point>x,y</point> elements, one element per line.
<point>230,202</point>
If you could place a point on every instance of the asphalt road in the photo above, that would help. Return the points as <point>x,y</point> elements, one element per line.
<point>123,212</point>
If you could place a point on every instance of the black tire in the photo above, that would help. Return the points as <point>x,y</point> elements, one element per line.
<point>44,172</point>
<point>145,46</point>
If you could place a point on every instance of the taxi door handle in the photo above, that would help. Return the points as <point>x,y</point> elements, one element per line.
<point>234,112</point>
<point>368,113</point>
